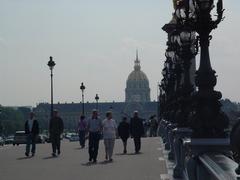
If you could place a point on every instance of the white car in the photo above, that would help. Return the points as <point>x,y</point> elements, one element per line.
<point>74,137</point>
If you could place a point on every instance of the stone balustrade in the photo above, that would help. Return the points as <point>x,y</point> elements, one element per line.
<point>198,159</point>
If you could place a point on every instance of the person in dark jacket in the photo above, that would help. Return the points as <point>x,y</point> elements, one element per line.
<point>82,128</point>
<point>153,126</point>
<point>56,129</point>
<point>123,132</point>
<point>31,131</point>
<point>136,130</point>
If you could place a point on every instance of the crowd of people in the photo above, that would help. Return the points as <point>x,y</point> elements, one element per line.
<point>93,129</point>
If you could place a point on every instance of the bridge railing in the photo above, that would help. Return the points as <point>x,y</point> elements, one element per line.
<point>200,159</point>
<point>218,166</point>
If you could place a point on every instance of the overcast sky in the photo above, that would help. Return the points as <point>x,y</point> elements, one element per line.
<point>94,41</point>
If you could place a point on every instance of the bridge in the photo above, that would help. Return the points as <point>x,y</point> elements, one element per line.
<point>151,164</point>
<point>195,136</point>
<point>73,163</point>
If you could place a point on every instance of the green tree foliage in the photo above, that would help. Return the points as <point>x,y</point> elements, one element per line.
<point>232,109</point>
<point>11,120</point>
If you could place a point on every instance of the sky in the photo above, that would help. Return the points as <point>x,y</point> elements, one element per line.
<point>94,42</point>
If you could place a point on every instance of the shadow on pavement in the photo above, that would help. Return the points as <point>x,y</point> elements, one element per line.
<point>130,154</point>
<point>89,164</point>
<point>94,164</point>
<point>104,162</point>
<point>120,154</point>
<point>24,158</point>
<point>49,157</point>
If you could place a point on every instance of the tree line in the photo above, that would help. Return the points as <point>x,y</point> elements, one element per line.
<point>12,119</point>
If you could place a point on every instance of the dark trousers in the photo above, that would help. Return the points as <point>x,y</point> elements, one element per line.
<point>82,138</point>
<point>94,138</point>
<point>137,143</point>
<point>124,140</point>
<point>31,141</point>
<point>55,139</point>
<point>153,132</point>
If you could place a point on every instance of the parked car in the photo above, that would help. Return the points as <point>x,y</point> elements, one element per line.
<point>68,135</point>
<point>9,140</point>
<point>19,138</point>
<point>1,141</point>
<point>74,137</point>
<point>47,138</point>
<point>40,139</point>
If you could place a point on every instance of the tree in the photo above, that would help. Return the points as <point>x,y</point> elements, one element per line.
<point>11,120</point>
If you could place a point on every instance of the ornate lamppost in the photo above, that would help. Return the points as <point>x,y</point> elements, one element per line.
<point>51,65</point>
<point>97,98</point>
<point>169,72</point>
<point>168,85</point>
<point>185,46</point>
<point>208,120</point>
<point>82,87</point>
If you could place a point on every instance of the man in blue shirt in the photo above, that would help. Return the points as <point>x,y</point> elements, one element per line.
<point>94,128</point>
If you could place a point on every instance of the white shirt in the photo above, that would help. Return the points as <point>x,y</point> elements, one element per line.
<point>109,128</point>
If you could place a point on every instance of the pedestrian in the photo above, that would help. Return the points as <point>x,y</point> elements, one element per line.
<point>109,135</point>
<point>153,126</point>
<point>56,127</point>
<point>136,130</point>
<point>82,127</point>
<point>123,132</point>
<point>146,127</point>
<point>31,131</point>
<point>94,128</point>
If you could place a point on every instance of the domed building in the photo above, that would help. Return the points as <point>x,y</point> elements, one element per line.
<point>137,89</point>
<point>137,99</point>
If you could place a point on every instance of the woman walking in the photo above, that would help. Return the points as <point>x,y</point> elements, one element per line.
<point>123,132</point>
<point>109,135</point>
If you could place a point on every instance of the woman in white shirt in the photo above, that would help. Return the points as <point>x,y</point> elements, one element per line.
<point>109,135</point>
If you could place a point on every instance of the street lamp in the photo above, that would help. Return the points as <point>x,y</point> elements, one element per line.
<point>51,65</point>
<point>208,120</point>
<point>82,87</point>
<point>97,98</point>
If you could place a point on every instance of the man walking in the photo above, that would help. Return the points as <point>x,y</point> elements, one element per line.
<point>94,128</point>
<point>82,126</point>
<point>153,126</point>
<point>31,131</point>
<point>56,129</point>
<point>136,130</point>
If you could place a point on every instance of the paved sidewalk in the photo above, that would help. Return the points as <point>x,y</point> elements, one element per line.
<point>72,164</point>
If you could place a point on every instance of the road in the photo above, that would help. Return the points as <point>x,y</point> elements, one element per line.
<point>72,163</point>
